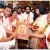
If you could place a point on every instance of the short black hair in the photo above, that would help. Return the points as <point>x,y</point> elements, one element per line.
<point>1,5</point>
<point>9,6</point>
<point>29,7</point>
<point>19,8</point>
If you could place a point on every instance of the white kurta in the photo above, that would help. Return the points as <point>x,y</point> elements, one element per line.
<point>19,17</point>
<point>8,44</point>
<point>7,23</point>
<point>25,16</point>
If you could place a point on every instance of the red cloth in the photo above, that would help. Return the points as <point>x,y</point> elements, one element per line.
<point>11,20</point>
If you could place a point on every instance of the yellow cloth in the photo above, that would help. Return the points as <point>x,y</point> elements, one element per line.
<point>43,30</point>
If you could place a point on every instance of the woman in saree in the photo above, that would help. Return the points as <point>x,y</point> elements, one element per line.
<point>45,33</point>
<point>41,19</point>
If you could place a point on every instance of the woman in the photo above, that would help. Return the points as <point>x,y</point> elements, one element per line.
<point>41,19</point>
<point>46,33</point>
<point>14,20</point>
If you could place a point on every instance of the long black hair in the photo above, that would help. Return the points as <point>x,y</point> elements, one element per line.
<point>35,16</point>
<point>41,9</point>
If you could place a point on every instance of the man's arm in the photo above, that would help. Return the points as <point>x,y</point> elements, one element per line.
<point>8,31</point>
<point>3,39</point>
<point>6,39</point>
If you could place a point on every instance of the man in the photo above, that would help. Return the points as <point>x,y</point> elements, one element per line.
<point>27,18</point>
<point>45,32</point>
<point>6,42</point>
<point>19,11</point>
<point>28,15</point>
<point>7,12</point>
<point>23,10</point>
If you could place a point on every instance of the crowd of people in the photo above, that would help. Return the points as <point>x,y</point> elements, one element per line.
<point>11,17</point>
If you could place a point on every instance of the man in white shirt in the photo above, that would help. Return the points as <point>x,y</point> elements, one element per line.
<point>6,42</point>
<point>19,16</point>
<point>28,15</point>
<point>27,18</point>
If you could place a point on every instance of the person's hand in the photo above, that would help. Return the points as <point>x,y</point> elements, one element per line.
<point>14,34</point>
<point>16,37</point>
<point>30,34</point>
<point>13,28</point>
<point>26,22</point>
<point>35,28</point>
<point>3,39</point>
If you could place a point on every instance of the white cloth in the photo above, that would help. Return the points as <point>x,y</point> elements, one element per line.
<point>2,31</point>
<point>20,17</point>
<point>25,16</point>
<point>42,21</point>
<point>8,44</point>
<point>7,23</point>
<point>46,33</point>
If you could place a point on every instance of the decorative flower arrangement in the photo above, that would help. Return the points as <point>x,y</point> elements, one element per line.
<point>34,26</point>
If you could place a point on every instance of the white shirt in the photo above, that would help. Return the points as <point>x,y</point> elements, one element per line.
<point>25,16</point>
<point>2,31</point>
<point>46,33</point>
<point>7,23</point>
<point>20,17</point>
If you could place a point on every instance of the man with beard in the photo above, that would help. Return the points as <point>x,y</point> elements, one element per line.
<point>19,11</point>
<point>23,10</point>
<point>27,17</point>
